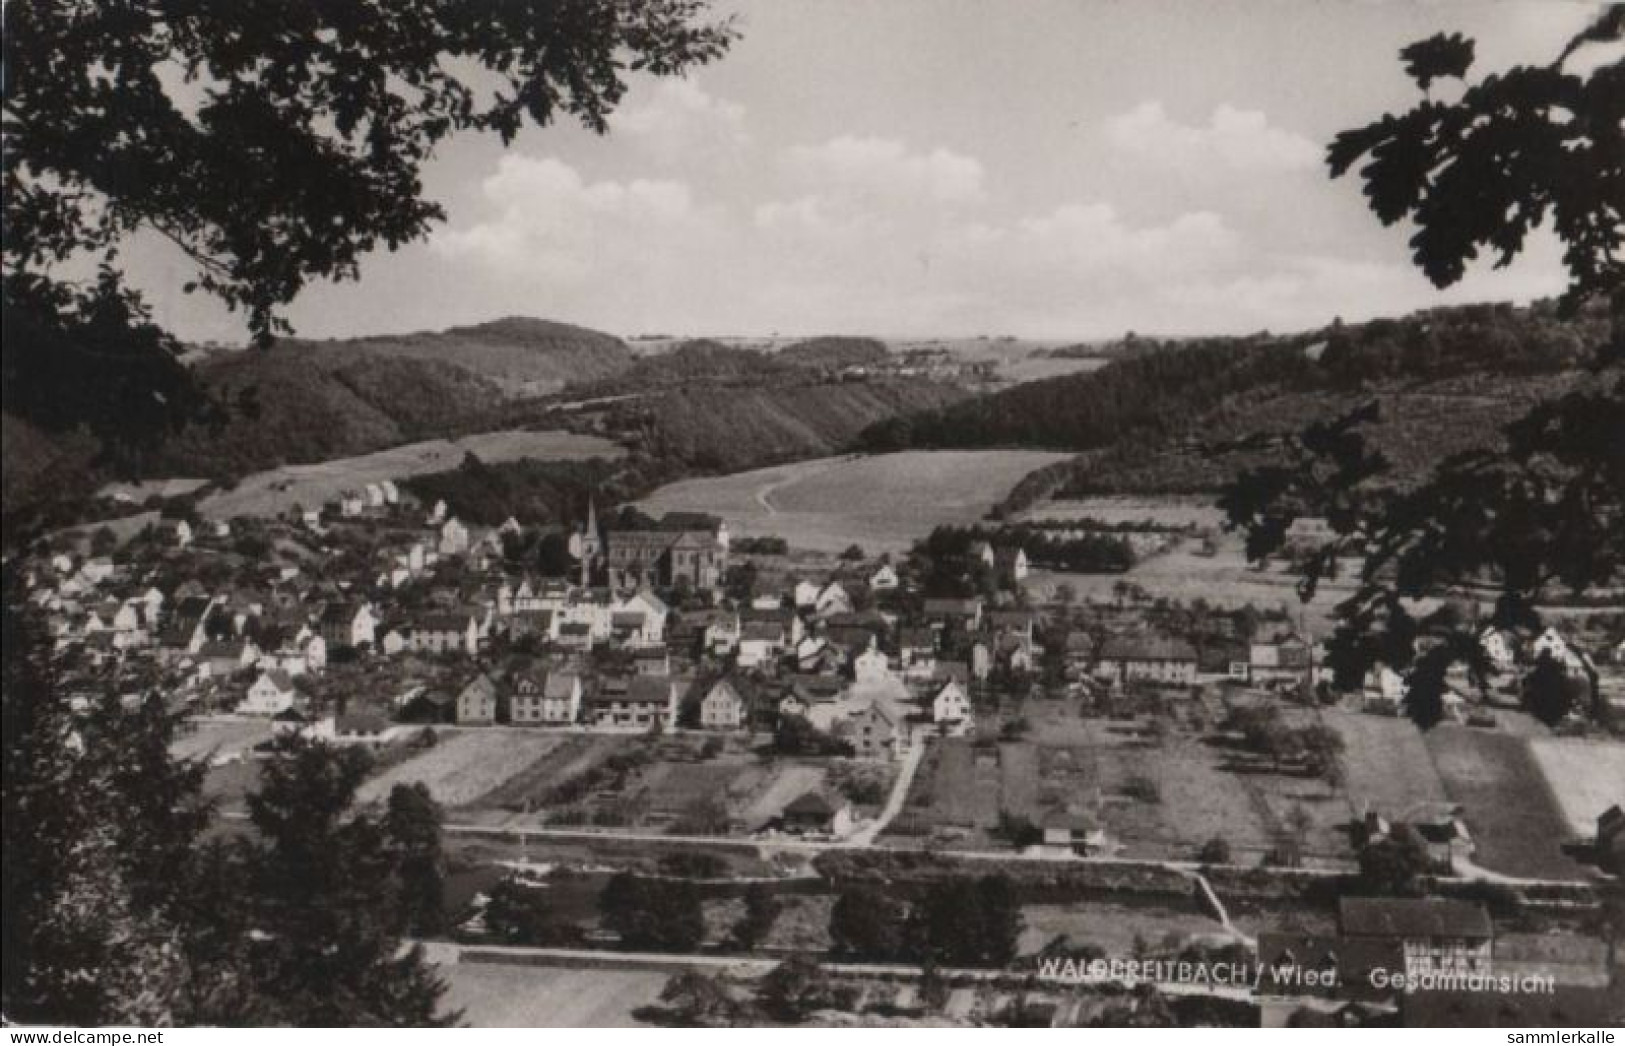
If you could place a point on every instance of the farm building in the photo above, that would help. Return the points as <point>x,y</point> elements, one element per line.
<point>1438,935</point>
<point>1156,659</point>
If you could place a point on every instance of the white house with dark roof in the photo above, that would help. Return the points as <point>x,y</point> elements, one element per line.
<point>270,694</point>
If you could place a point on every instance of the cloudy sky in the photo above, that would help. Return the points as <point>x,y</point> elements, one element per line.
<point>1062,169</point>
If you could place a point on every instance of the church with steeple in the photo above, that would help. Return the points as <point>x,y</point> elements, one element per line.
<point>587,544</point>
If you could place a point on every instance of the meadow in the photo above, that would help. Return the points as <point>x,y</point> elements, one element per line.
<point>1513,812</point>
<point>1586,777</point>
<point>499,996</point>
<point>882,503</point>
<point>275,490</point>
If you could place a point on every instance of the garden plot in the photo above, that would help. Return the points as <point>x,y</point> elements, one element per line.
<point>1517,823</point>
<point>465,765</point>
<point>1586,777</point>
<point>496,996</point>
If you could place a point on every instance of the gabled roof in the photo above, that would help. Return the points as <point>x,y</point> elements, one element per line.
<point>1147,648</point>
<point>560,684</point>
<point>809,804</point>
<point>278,678</point>
<point>650,689</point>
<point>1412,917</point>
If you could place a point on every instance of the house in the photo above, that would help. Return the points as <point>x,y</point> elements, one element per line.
<point>1500,647</point>
<point>722,634</point>
<point>725,706</point>
<point>538,624</point>
<point>876,727</point>
<point>1010,564</point>
<point>429,706</point>
<point>453,538</point>
<point>640,618</point>
<point>478,702</point>
<point>450,633</point>
<point>982,552</point>
<point>917,651</point>
<point>1610,841</point>
<point>1075,832</point>
<point>760,643</point>
<point>950,709</point>
<point>636,702</point>
<point>1437,936</point>
<point>964,613</point>
<point>176,532</point>
<point>1155,659</point>
<point>812,814</point>
<point>1012,623</point>
<point>872,665</point>
<point>884,579</point>
<point>222,658</point>
<point>347,625</point>
<point>551,699</point>
<point>1285,659</point>
<point>561,698</point>
<point>366,728</point>
<point>832,599</point>
<point>270,694</point>
<point>813,698</point>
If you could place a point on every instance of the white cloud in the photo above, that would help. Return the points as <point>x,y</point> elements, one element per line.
<point>1240,139</point>
<point>884,169</point>
<point>548,220</point>
<point>677,119</point>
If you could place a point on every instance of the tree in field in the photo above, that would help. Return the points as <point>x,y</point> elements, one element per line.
<point>761,911</point>
<point>1547,691</point>
<point>652,913</point>
<point>271,144</point>
<point>1394,864</point>
<point>695,999</point>
<point>323,904</point>
<point>98,827</point>
<point>794,988</point>
<point>869,923</point>
<point>1543,509</point>
<point>412,822</point>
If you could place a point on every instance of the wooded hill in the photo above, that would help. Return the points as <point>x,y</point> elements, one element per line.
<point>1449,376</point>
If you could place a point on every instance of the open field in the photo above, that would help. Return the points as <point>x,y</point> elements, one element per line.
<point>219,738</point>
<point>1386,763</point>
<point>1172,511</point>
<point>465,765</point>
<point>267,493</point>
<point>1586,777</point>
<point>1224,579</point>
<point>1157,800</point>
<point>1114,928</point>
<point>882,502</point>
<point>1516,821</point>
<point>496,996</point>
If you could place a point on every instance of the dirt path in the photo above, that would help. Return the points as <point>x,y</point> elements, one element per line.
<point>866,835</point>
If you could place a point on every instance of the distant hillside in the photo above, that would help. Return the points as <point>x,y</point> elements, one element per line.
<point>700,360</point>
<point>298,403</point>
<point>1450,375</point>
<point>726,428</point>
<point>834,353</point>
<point>522,356</point>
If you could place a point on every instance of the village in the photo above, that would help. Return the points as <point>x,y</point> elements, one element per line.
<point>659,680</point>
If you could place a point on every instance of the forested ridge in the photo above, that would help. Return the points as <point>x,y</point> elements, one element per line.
<point>1170,389</point>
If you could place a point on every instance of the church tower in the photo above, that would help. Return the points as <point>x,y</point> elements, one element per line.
<point>591,545</point>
